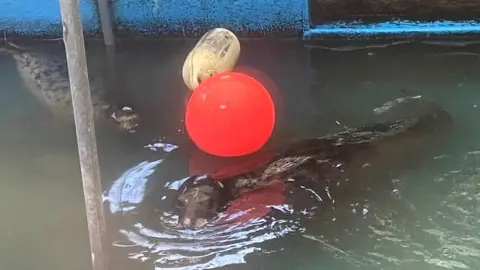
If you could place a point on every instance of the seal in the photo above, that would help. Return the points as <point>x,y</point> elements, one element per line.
<point>334,166</point>
<point>46,76</point>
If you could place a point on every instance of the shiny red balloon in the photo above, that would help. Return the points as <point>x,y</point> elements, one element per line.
<point>230,114</point>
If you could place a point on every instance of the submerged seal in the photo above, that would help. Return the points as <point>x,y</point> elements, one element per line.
<point>46,76</point>
<point>335,166</point>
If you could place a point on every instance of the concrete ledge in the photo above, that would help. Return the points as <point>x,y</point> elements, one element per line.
<point>325,11</point>
<point>395,28</point>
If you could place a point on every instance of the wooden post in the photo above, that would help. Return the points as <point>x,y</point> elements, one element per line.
<point>111,70</point>
<point>106,21</point>
<point>85,130</point>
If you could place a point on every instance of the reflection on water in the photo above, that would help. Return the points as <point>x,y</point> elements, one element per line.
<point>425,218</point>
<point>161,241</point>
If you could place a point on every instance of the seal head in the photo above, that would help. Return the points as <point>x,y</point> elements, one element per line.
<point>125,117</point>
<point>200,200</point>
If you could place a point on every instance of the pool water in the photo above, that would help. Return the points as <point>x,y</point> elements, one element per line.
<point>427,218</point>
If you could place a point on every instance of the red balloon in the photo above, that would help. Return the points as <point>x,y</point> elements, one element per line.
<point>230,114</point>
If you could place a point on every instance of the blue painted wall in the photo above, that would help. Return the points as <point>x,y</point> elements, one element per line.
<point>194,17</point>
<point>41,17</point>
<point>34,17</point>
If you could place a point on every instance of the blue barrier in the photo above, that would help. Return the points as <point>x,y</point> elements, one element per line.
<point>41,17</point>
<point>194,17</point>
<point>394,27</point>
<point>186,17</point>
<point>156,17</point>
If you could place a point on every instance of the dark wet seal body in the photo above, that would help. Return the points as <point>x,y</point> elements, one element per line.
<point>335,166</point>
<point>46,76</point>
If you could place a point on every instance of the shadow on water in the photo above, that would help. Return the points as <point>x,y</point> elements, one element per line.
<point>424,217</point>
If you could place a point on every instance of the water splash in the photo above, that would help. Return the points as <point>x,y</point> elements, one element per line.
<point>129,189</point>
<point>170,247</point>
<point>162,243</point>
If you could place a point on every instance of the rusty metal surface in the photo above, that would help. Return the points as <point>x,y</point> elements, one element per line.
<point>323,11</point>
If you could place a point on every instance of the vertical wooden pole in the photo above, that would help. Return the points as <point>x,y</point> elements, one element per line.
<point>106,21</point>
<point>109,41</point>
<point>85,130</point>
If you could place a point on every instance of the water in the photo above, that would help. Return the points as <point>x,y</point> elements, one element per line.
<point>426,219</point>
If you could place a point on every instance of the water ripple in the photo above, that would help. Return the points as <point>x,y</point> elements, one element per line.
<point>212,247</point>
<point>166,245</point>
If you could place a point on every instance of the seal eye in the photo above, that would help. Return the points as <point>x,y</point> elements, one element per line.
<point>180,204</point>
<point>211,203</point>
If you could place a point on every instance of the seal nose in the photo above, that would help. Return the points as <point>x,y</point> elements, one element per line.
<point>187,223</point>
